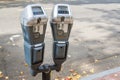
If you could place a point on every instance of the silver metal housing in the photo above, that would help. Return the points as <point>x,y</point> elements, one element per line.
<point>28,18</point>
<point>56,16</point>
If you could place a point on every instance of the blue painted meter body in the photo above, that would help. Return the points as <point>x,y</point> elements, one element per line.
<point>61,24</point>
<point>34,22</point>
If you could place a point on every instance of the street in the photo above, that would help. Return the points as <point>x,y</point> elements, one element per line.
<point>94,40</point>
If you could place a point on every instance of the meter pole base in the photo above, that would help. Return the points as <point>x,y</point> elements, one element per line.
<point>46,75</point>
<point>46,70</point>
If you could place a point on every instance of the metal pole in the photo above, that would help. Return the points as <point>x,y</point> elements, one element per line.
<point>46,75</point>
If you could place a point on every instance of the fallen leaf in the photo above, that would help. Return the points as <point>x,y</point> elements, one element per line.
<point>115,75</point>
<point>6,77</point>
<point>92,70</point>
<point>116,56</point>
<point>68,78</point>
<point>84,72</point>
<point>71,70</point>
<point>74,78</point>
<point>0,47</point>
<point>62,79</point>
<point>96,61</point>
<point>56,79</point>
<point>86,65</point>
<point>13,44</point>
<point>74,74</point>
<point>8,42</point>
<point>23,79</point>
<point>1,74</point>
<point>26,64</point>
<point>21,72</point>
<point>78,76</point>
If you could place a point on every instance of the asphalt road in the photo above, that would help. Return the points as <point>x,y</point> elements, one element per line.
<point>94,40</point>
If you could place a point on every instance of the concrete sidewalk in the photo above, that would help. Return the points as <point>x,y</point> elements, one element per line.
<point>94,40</point>
<point>113,74</point>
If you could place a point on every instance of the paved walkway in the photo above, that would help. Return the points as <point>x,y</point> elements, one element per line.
<point>94,40</point>
<point>113,74</point>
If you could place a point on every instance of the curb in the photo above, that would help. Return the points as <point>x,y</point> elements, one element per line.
<point>101,74</point>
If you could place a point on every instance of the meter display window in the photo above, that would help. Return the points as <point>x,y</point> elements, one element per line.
<point>37,11</point>
<point>63,10</point>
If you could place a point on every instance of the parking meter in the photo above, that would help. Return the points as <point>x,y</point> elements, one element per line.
<point>34,22</point>
<point>61,24</point>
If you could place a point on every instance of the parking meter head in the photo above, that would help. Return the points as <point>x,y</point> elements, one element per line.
<point>34,22</point>
<point>61,22</point>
